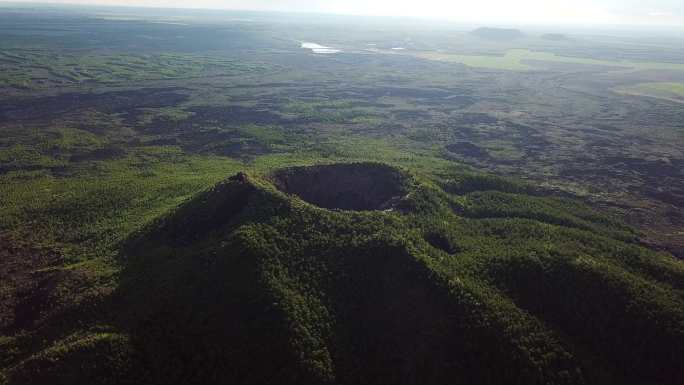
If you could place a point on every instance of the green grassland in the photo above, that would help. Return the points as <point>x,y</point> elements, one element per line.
<point>514,60</point>
<point>672,91</point>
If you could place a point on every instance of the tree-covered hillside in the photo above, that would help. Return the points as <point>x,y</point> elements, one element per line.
<point>452,278</point>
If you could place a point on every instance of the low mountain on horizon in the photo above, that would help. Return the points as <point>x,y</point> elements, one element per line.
<point>498,33</point>
<point>555,36</point>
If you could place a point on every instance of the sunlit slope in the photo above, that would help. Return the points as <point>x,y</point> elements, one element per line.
<point>458,279</point>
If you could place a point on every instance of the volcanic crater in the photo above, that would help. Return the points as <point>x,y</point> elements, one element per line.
<point>344,186</point>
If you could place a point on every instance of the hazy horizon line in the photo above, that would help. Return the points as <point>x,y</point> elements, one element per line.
<point>443,20</point>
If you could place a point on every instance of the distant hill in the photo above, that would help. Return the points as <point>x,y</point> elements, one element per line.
<point>554,36</point>
<point>498,33</point>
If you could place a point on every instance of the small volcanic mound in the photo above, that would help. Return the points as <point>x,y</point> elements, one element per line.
<point>353,186</point>
<point>467,149</point>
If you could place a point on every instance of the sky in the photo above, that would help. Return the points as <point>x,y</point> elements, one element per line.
<point>546,12</point>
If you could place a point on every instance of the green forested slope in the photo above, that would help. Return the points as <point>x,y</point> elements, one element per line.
<point>449,283</point>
